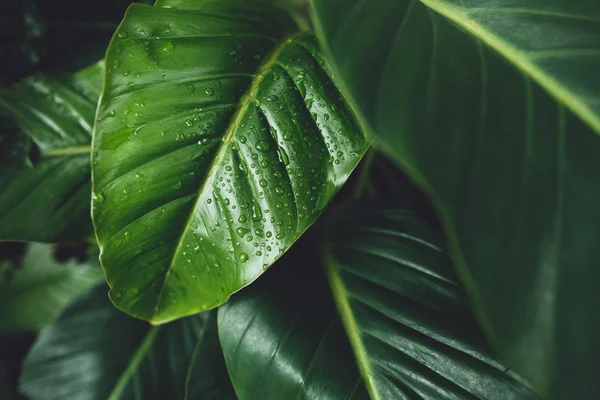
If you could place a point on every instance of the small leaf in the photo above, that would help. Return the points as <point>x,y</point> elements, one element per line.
<point>34,292</point>
<point>95,352</point>
<point>406,315</point>
<point>44,194</point>
<point>219,140</point>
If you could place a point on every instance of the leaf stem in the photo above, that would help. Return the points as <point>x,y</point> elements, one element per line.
<point>69,151</point>
<point>134,363</point>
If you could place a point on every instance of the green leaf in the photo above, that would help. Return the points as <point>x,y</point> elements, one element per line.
<point>93,351</point>
<point>34,292</point>
<point>406,315</point>
<point>494,109</point>
<point>402,308</point>
<point>220,138</point>
<point>45,196</point>
<point>282,338</point>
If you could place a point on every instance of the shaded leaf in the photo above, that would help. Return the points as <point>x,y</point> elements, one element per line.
<point>282,338</point>
<point>45,180</point>
<point>220,138</point>
<point>402,307</point>
<point>496,116</point>
<point>406,315</point>
<point>34,292</point>
<point>93,351</point>
<point>22,33</point>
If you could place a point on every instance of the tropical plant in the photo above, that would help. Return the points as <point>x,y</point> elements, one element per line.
<point>457,262</point>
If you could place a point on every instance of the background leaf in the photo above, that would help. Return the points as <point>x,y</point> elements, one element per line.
<point>22,33</point>
<point>93,351</point>
<point>45,184</point>
<point>504,152</point>
<point>34,34</point>
<point>219,140</point>
<point>406,315</point>
<point>33,292</point>
<point>282,338</point>
<point>403,309</point>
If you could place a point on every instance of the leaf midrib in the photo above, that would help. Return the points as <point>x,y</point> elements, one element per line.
<point>135,361</point>
<point>518,58</point>
<point>245,101</point>
<point>67,151</point>
<point>340,296</point>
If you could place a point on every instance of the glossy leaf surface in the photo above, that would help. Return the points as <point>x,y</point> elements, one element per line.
<point>219,140</point>
<point>34,292</point>
<point>283,339</point>
<point>493,108</point>
<point>45,166</point>
<point>94,351</point>
<point>405,311</point>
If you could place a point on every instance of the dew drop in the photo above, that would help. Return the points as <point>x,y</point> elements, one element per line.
<point>98,197</point>
<point>242,231</point>
<point>263,146</point>
<point>168,47</point>
<point>301,88</point>
<point>285,159</point>
<point>256,212</point>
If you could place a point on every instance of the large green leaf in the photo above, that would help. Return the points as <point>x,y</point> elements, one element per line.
<point>34,292</point>
<point>493,107</point>
<point>282,338</point>
<point>406,315</point>
<point>93,351</point>
<point>402,308</point>
<point>220,137</point>
<point>44,196</point>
